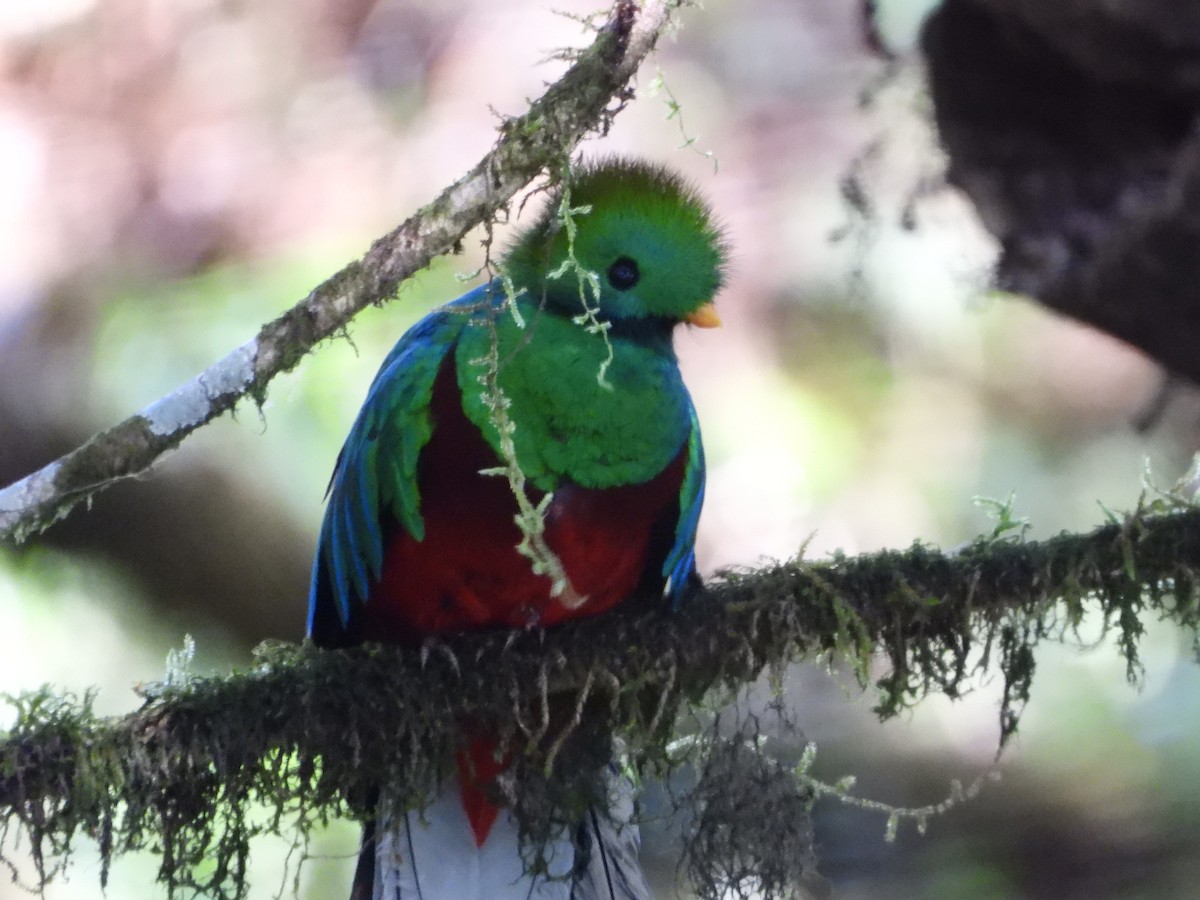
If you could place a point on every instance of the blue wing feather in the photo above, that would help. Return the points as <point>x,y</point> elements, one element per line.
<point>367,483</point>
<point>680,564</point>
<point>368,505</point>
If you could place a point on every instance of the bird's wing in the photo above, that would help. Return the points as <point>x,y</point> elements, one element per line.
<point>679,568</point>
<point>376,474</point>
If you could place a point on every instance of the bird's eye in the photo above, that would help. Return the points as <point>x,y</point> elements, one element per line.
<point>623,274</point>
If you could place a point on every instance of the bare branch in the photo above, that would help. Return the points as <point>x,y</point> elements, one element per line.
<point>528,144</point>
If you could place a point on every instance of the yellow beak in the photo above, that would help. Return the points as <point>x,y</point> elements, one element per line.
<point>705,317</point>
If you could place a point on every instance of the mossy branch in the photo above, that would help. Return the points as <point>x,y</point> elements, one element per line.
<point>529,144</point>
<point>305,733</point>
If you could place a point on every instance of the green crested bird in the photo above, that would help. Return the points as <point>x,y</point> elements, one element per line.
<point>574,347</point>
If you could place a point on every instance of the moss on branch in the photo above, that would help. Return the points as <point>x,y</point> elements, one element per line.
<point>305,733</point>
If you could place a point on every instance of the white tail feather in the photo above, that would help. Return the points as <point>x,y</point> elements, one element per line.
<point>431,855</point>
<point>607,844</point>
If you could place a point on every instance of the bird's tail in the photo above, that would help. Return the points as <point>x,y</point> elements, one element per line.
<point>432,855</point>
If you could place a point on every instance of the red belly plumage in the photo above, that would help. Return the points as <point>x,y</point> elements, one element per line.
<point>467,574</point>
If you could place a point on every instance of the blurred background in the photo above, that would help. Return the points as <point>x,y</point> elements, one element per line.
<point>173,174</point>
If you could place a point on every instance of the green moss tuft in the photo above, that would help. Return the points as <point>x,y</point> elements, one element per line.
<point>306,733</point>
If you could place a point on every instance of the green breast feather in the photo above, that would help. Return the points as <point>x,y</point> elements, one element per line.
<point>568,424</point>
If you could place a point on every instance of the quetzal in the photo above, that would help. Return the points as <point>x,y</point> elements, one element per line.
<point>420,534</point>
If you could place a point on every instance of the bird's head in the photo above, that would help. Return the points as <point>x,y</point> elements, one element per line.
<point>646,235</point>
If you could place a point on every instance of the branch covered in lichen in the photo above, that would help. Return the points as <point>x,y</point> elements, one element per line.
<point>308,732</point>
<point>529,144</point>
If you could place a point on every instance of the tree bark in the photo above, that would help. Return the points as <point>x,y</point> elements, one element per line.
<point>1071,127</point>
